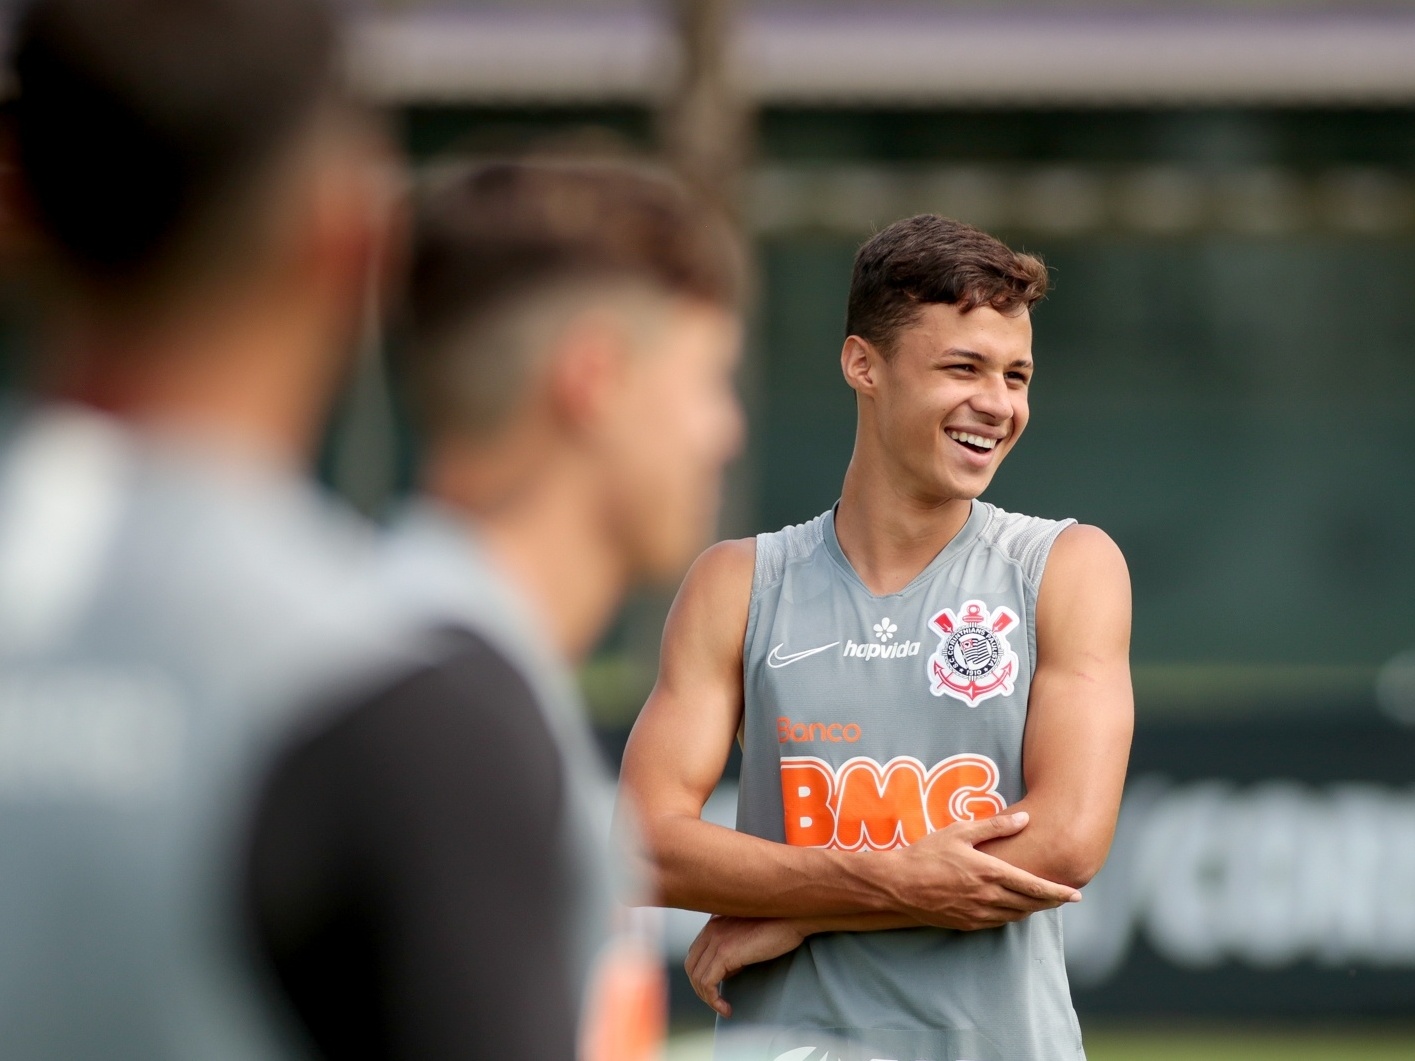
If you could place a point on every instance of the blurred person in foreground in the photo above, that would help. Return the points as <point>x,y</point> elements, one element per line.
<point>933,701</point>
<point>199,211</point>
<point>574,330</point>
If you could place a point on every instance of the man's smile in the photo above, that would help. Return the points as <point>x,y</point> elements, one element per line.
<point>972,441</point>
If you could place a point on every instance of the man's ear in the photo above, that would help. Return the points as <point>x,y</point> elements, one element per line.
<point>355,218</point>
<point>859,363</point>
<point>586,368</point>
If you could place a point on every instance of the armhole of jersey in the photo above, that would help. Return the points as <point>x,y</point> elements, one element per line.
<point>759,576</point>
<point>776,549</point>
<point>1034,564</point>
<point>1027,542</point>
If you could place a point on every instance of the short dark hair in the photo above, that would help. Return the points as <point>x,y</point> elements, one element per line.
<point>139,124</point>
<point>932,259</point>
<point>504,227</point>
<point>491,239</point>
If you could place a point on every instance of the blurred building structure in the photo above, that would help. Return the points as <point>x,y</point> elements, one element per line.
<point>1226,192</point>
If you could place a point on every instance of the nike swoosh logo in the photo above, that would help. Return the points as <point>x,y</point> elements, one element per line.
<point>776,659</point>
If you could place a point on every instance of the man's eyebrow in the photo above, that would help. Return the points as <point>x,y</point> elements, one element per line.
<point>973,355</point>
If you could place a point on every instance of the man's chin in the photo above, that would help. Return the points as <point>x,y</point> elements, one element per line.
<point>966,487</point>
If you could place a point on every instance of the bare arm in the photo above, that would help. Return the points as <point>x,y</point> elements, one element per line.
<point>675,758</point>
<point>1080,715</point>
<point>677,752</point>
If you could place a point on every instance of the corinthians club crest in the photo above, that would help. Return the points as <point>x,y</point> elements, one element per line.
<point>973,660</point>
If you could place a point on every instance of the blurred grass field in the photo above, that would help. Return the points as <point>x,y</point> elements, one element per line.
<point>1188,1045</point>
<point>1218,1045</point>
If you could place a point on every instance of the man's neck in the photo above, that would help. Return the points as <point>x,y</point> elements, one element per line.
<point>889,535</point>
<point>250,385</point>
<point>546,541</point>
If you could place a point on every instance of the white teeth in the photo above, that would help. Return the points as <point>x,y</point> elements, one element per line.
<point>973,440</point>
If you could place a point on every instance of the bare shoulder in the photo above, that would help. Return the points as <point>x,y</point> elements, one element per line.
<point>1085,589</point>
<point>713,602</point>
<point>721,576</point>
<point>730,562</point>
<point>1083,552</point>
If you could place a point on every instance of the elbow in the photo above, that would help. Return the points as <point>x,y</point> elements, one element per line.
<point>1076,859</point>
<point>638,845</point>
<point>1076,871</point>
<point>655,841</point>
<point>655,867</point>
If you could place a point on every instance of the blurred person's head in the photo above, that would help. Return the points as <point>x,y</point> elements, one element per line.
<point>574,332</point>
<point>197,205</point>
<point>939,353</point>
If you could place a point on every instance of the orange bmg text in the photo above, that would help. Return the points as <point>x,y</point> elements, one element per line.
<point>862,805</point>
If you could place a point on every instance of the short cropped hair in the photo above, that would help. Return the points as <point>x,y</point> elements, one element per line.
<point>501,248</point>
<point>140,126</point>
<point>932,259</point>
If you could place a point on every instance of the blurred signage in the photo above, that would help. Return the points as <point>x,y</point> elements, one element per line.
<point>1269,875</point>
<point>1281,883</point>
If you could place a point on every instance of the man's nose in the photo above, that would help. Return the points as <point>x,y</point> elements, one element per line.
<point>990,400</point>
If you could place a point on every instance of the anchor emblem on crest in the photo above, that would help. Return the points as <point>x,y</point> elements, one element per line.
<point>973,660</point>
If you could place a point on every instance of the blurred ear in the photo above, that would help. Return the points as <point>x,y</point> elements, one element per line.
<point>859,363</point>
<point>587,368</point>
<point>355,226</point>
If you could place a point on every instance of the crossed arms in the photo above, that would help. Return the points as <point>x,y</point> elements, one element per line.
<point>968,876</point>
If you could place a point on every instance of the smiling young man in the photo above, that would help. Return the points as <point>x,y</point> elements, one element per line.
<point>933,701</point>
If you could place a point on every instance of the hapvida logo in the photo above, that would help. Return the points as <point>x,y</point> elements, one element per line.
<point>884,630</point>
<point>878,651</point>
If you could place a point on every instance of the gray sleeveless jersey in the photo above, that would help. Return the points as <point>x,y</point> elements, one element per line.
<point>163,617</point>
<point>869,722</point>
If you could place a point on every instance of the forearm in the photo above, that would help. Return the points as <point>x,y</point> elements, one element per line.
<point>1061,844</point>
<point>706,867</point>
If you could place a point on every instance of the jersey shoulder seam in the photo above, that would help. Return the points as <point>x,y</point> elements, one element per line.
<point>776,550</point>
<point>1029,540</point>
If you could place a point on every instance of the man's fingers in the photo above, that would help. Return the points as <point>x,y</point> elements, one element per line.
<point>1016,879</point>
<point>985,829</point>
<point>696,948</point>
<point>706,974</point>
<point>1047,892</point>
<point>697,967</point>
<point>1006,901</point>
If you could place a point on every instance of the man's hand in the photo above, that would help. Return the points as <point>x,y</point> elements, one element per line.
<point>726,945</point>
<point>943,880</point>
